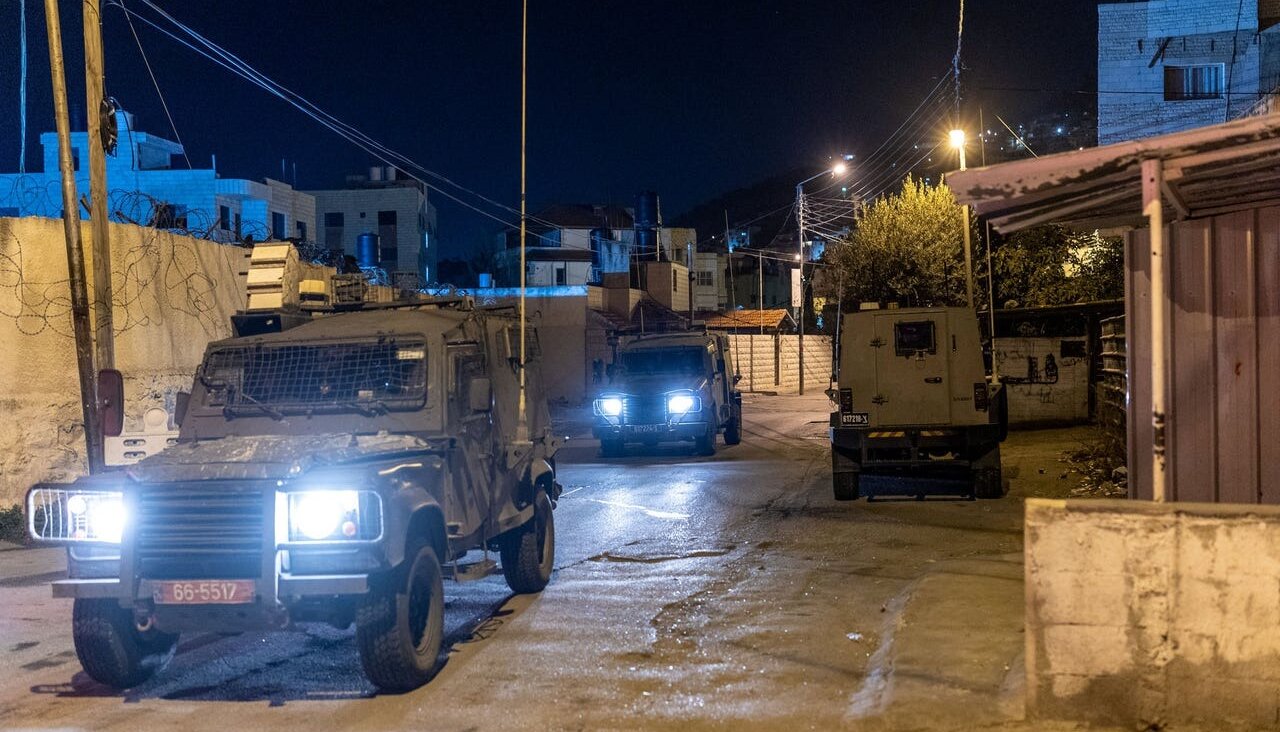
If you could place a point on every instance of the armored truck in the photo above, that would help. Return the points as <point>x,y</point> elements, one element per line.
<point>337,471</point>
<point>913,398</point>
<point>670,387</point>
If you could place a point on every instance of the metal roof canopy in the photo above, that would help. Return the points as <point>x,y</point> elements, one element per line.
<point>1206,171</point>
<point>1198,173</point>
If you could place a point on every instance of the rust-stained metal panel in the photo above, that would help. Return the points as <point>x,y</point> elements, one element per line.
<point>1224,432</point>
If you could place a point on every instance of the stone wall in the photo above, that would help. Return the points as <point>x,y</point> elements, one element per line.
<point>771,363</point>
<point>1142,614</point>
<point>172,295</point>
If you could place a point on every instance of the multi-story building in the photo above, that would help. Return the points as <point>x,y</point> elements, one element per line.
<point>393,207</point>
<point>1169,65</point>
<point>578,244</point>
<point>145,187</point>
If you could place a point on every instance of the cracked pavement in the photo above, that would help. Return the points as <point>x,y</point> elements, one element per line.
<point>728,592</point>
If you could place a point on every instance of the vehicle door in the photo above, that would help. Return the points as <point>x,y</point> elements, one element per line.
<point>911,370</point>
<point>472,455</point>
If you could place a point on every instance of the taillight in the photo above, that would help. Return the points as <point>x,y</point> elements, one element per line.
<point>846,401</point>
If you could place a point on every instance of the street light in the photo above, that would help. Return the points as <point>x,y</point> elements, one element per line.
<point>836,171</point>
<point>957,137</point>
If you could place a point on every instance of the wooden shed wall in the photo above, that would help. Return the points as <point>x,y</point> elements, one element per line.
<point>1223,423</point>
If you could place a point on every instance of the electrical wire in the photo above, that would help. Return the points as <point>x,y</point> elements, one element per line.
<point>163,104</point>
<point>22,86</point>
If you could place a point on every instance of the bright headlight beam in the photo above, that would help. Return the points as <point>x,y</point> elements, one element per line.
<point>609,406</point>
<point>680,404</point>
<point>317,515</point>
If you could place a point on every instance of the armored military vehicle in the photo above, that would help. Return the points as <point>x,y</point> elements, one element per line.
<point>670,387</point>
<point>335,471</point>
<point>913,397</point>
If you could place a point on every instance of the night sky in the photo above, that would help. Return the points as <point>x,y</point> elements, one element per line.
<point>690,98</point>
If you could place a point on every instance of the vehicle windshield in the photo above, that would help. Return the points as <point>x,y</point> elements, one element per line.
<point>687,360</point>
<point>384,375</point>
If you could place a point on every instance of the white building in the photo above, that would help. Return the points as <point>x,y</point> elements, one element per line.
<point>144,187</point>
<point>1170,65</point>
<point>578,244</point>
<point>389,205</point>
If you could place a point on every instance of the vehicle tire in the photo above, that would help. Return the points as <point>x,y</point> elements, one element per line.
<point>733,430</point>
<point>529,551</point>
<point>988,480</point>
<point>611,448</point>
<point>705,444</point>
<point>111,648</point>
<point>846,486</point>
<point>400,625</point>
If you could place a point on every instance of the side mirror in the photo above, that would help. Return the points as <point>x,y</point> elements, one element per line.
<point>180,405</point>
<point>481,394</point>
<point>111,402</point>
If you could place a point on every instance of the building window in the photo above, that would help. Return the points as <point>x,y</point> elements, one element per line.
<point>1183,83</point>
<point>333,223</point>
<point>277,226</point>
<point>333,219</point>
<point>301,227</point>
<point>562,275</point>
<point>706,278</point>
<point>224,218</point>
<point>236,221</point>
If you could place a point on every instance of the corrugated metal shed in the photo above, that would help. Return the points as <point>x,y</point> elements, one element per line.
<point>1208,325</point>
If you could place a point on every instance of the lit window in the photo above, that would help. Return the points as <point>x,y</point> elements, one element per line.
<point>1183,83</point>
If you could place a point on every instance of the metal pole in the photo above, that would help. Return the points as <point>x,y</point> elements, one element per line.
<point>760,274</point>
<point>800,331</point>
<point>104,337</point>
<point>1153,208</point>
<point>968,246</point>
<point>75,255</point>
<point>522,428</point>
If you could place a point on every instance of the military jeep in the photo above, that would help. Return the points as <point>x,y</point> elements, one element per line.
<point>913,398</point>
<point>337,471</point>
<point>669,387</point>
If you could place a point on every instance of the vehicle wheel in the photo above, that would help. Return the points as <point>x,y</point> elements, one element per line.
<point>400,625</point>
<point>988,480</point>
<point>846,485</point>
<point>111,648</point>
<point>611,448</point>
<point>733,430</point>
<point>705,444</point>
<point>529,551</point>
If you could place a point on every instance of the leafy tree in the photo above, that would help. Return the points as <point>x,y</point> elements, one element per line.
<point>907,248</point>
<point>1052,265</point>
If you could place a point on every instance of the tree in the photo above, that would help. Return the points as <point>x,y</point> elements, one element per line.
<point>1052,265</point>
<point>907,248</point>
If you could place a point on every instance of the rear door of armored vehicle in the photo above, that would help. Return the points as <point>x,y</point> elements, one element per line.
<point>911,369</point>
<point>471,499</point>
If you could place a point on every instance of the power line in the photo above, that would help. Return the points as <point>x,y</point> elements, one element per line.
<point>163,104</point>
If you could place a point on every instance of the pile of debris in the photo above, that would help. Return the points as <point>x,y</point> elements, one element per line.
<point>1100,465</point>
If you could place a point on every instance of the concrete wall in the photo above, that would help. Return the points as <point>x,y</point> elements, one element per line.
<point>1143,614</point>
<point>172,296</point>
<point>771,363</point>
<point>1047,379</point>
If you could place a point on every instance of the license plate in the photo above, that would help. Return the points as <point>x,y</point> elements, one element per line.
<point>855,419</point>
<point>203,592</point>
<point>650,428</point>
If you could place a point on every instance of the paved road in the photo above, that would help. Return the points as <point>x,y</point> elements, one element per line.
<point>689,592</point>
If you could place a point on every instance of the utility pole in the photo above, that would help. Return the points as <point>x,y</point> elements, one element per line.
<point>104,337</point>
<point>800,307</point>
<point>75,255</point>
<point>760,275</point>
<point>522,428</point>
<point>958,142</point>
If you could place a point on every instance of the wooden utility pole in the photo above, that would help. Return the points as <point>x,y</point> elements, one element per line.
<point>104,338</point>
<point>75,255</point>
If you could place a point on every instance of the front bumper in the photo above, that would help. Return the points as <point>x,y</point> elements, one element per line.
<point>666,431</point>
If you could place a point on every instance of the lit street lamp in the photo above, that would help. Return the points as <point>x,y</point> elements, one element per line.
<point>837,170</point>
<point>957,141</point>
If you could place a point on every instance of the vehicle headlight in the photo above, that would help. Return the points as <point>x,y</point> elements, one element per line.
<point>683,403</point>
<point>56,514</point>
<point>609,406</point>
<point>334,516</point>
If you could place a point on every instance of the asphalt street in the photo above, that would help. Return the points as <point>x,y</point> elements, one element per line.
<point>721,592</point>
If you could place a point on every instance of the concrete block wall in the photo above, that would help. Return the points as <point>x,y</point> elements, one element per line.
<point>172,295</point>
<point>771,362</point>
<point>1145,615</point>
<point>1046,384</point>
